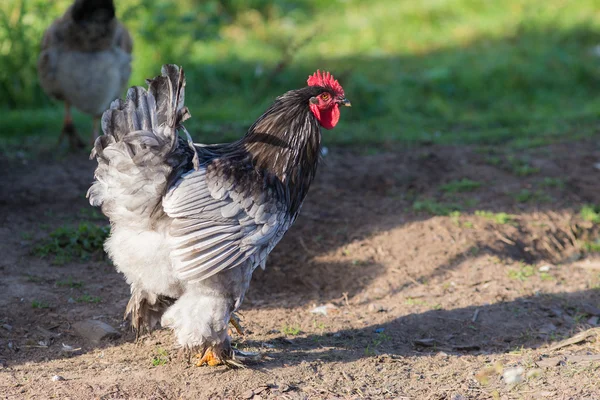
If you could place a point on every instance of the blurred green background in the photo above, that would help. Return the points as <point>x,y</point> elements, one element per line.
<point>442,71</point>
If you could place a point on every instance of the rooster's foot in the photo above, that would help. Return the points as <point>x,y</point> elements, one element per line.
<point>209,358</point>
<point>235,359</point>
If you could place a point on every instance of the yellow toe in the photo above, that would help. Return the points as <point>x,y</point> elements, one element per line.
<point>209,358</point>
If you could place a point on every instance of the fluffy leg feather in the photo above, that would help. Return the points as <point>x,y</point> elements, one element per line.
<point>145,310</point>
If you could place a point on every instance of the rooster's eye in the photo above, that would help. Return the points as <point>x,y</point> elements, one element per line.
<point>325,96</point>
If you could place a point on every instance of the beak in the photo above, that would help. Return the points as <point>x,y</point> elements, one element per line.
<point>345,102</point>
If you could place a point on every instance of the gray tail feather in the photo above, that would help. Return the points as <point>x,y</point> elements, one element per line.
<point>141,145</point>
<point>159,110</point>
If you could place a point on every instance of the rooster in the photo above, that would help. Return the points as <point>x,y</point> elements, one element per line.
<point>85,62</point>
<point>191,222</point>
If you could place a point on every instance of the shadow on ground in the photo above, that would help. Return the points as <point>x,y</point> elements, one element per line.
<point>525,323</point>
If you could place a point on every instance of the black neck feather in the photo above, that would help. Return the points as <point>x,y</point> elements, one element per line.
<point>286,141</point>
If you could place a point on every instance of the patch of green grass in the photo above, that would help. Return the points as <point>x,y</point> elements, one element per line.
<point>493,160</point>
<point>34,278</point>
<point>455,217</point>
<point>579,317</point>
<point>26,235</point>
<point>86,298</point>
<point>376,342</point>
<point>414,302</point>
<point>462,185</point>
<point>592,246</point>
<point>67,243</point>
<point>528,143</point>
<point>290,330</point>
<point>590,213</point>
<point>433,207</point>
<point>161,357</point>
<point>39,304</point>
<point>470,203</point>
<point>319,325</point>
<point>520,167</point>
<point>69,282</point>
<point>557,183</point>
<point>500,218</point>
<point>474,250</point>
<point>90,214</point>
<point>461,71</point>
<point>528,196</point>
<point>545,276</point>
<point>524,272</point>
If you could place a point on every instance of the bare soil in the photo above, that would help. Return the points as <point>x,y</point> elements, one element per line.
<point>418,306</point>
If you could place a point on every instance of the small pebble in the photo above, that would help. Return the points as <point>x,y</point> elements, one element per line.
<point>284,388</point>
<point>260,389</point>
<point>427,342</point>
<point>376,308</point>
<point>324,309</point>
<point>95,330</point>
<point>57,378</point>
<point>69,349</point>
<point>548,329</point>
<point>513,375</point>
<point>7,327</point>
<point>593,321</point>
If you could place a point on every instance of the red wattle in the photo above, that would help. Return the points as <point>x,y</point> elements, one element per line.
<point>329,117</point>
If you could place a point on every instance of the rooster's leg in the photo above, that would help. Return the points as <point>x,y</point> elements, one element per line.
<point>68,130</point>
<point>95,132</point>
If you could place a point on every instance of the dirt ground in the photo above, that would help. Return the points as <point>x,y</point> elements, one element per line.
<point>418,306</point>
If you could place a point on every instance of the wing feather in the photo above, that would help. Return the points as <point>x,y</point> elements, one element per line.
<point>217,227</point>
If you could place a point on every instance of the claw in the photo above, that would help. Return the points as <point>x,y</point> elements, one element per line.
<point>209,358</point>
<point>235,321</point>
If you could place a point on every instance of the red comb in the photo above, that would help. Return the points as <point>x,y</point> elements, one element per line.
<point>326,80</point>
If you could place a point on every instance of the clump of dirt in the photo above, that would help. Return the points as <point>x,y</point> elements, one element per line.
<point>433,272</point>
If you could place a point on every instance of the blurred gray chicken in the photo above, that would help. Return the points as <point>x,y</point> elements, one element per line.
<point>191,222</point>
<point>85,61</point>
